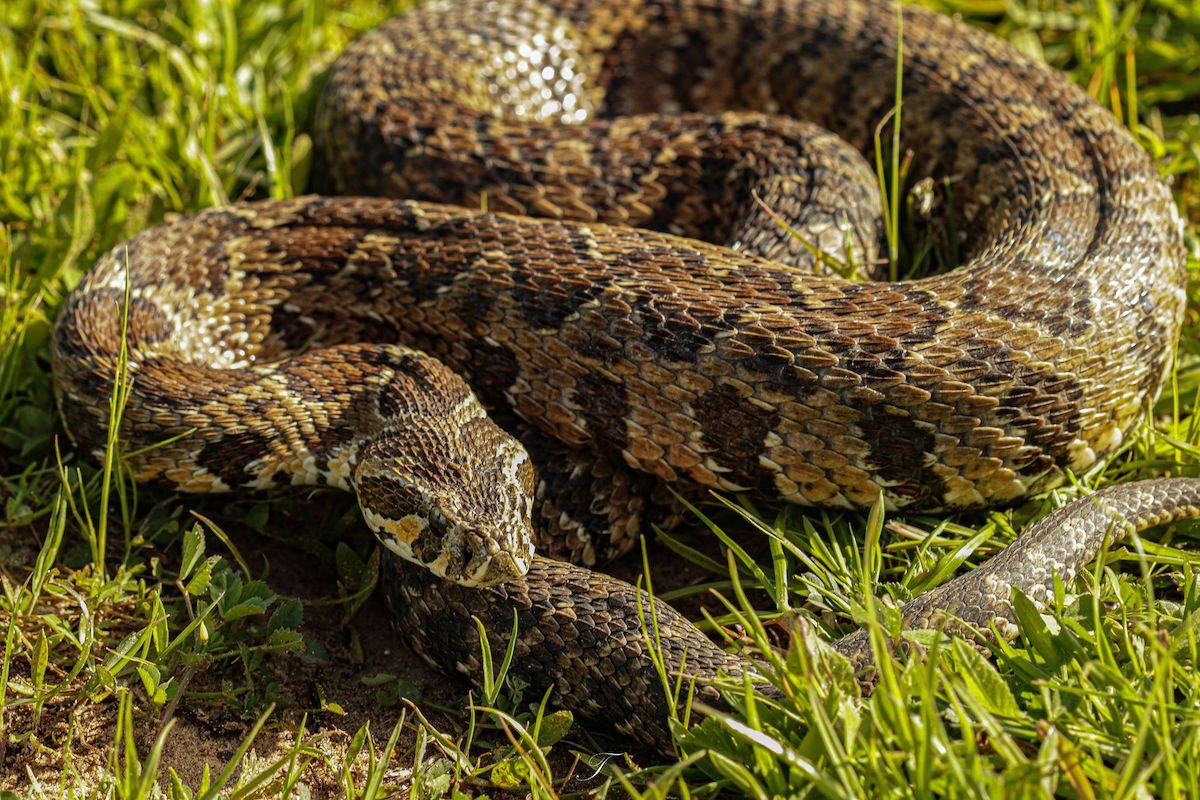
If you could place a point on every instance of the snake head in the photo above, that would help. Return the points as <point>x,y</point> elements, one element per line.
<point>456,499</point>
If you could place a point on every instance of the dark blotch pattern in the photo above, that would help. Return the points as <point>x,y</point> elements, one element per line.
<point>231,457</point>
<point>734,432</point>
<point>686,359</point>
<point>901,450</point>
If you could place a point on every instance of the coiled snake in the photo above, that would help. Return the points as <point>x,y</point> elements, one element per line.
<point>631,301</point>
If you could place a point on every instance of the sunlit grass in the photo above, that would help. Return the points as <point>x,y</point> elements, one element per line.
<point>113,600</point>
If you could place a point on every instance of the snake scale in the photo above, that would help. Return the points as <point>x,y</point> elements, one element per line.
<point>628,307</point>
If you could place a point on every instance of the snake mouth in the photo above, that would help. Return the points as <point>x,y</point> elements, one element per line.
<point>481,555</point>
<point>462,556</point>
<point>497,569</point>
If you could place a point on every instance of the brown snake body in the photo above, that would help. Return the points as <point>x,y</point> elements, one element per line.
<point>653,324</point>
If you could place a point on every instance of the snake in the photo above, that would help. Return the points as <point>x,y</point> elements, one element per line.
<point>572,262</point>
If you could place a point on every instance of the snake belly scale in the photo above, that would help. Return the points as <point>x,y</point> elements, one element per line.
<point>630,308</point>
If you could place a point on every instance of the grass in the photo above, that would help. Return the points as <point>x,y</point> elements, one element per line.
<point>148,651</point>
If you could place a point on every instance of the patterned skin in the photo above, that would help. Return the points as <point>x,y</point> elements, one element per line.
<point>632,307</point>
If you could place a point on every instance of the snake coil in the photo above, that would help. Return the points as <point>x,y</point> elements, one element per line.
<point>631,300</point>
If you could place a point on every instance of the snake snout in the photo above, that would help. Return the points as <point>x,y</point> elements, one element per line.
<point>490,531</point>
<point>494,569</point>
<point>470,552</point>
